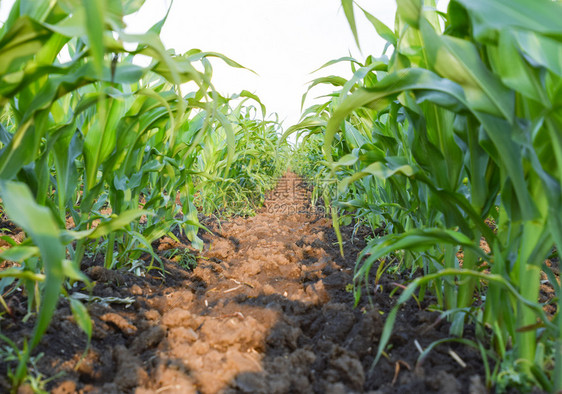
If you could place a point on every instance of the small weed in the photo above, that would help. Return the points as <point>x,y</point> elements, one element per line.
<point>182,257</point>
<point>510,376</point>
<point>33,379</point>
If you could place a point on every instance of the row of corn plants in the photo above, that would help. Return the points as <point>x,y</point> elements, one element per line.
<point>236,184</point>
<point>100,153</point>
<point>453,139</point>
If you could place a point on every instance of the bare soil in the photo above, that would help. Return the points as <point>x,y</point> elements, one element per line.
<point>268,309</point>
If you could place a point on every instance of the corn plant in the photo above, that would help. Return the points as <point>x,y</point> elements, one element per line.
<point>237,184</point>
<point>95,149</point>
<point>462,127</point>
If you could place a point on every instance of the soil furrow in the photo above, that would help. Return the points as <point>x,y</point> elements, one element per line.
<point>268,309</point>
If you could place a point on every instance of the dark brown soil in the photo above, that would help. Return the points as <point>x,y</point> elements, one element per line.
<point>269,309</point>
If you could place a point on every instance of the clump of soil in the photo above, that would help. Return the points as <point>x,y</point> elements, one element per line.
<point>268,309</point>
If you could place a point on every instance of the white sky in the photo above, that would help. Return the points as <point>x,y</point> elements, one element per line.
<point>282,40</point>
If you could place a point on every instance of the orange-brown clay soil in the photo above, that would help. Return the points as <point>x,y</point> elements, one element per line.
<point>267,310</point>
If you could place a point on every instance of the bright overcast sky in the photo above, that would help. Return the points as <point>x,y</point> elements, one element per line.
<point>282,40</point>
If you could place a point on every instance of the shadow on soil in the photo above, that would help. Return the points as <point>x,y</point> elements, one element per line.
<point>269,309</point>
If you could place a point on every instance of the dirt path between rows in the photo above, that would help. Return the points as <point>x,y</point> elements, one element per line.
<point>268,309</point>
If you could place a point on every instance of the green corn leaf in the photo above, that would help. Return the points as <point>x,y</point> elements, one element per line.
<point>72,272</point>
<point>499,132</point>
<point>353,136</point>
<point>12,18</point>
<point>101,138</point>
<point>406,294</point>
<point>117,223</point>
<point>458,60</point>
<point>196,54</point>
<point>347,6</point>
<point>382,30</point>
<point>489,17</point>
<point>94,14</point>
<point>378,96</point>
<point>19,253</point>
<point>305,124</point>
<point>378,169</point>
<point>345,161</point>
<point>417,239</point>
<point>517,75</point>
<point>157,27</point>
<point>81,316</point>
<point>18,273</point>
<point>131,6</point>
<point>19,44</point>
<point>8,240</point>
<point>543,51</point>
<point>245,93</point>
<point>68,146</point>
<point>105,228</point>
<point>39,223</point>
<point>338,60</point>
<point>36,9</point>
<point>410,11</point>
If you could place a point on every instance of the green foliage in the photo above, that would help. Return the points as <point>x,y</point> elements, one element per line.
<point>183,257</point>
<point>97,152</point>
<point>460,125</point>
<point>34,379</point>
<point>237,184</point>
